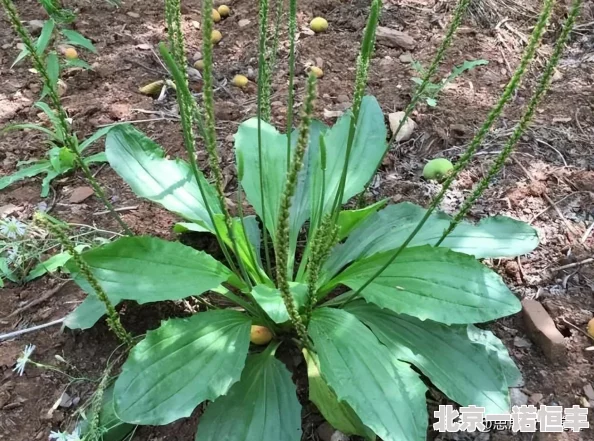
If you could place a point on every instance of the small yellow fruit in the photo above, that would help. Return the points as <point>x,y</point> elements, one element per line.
<point>70,53</point>
<point>319,73</point>
<point>260,335</point>
<point>153,88</point>
<point>437,169</point>
<point>591,328</point>
<point>318,24</point>
<point>239,81</point>
<point>216,17</point>
<point>224,11</point>
<point>216,36</point>
<point>199,64</point>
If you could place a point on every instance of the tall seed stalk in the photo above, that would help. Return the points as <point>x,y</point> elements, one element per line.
<point>189,112</point>
<point>263,20</point>
<point>283,231</point>
<point>291,94</point>
<point>209,127</point>
<point>113,318</point>
<point>70,139</point>
<point>459,12</point>
<point>360,83</point>
<point>522,125</point>
<point>476,141</point>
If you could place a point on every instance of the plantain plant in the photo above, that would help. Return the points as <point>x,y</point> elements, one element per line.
<point>372,293</point>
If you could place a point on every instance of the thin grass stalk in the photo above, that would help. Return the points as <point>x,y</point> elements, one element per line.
<point>367,46</point>
<point>187,109</point>
<point>476,141</point>
<point>270,63</point>
<point>291,97</point>
<point>522,125</point>
<point>459,12</point>
<point>71,141</point>
<point>113,318</point>
<point>263,16</point>
<point>283,232</point>
<point>210,130</point>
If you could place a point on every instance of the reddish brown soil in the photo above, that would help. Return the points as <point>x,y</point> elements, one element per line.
<point>558,153</point>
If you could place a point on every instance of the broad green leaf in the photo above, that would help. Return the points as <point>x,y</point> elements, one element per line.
<point>181,364</point>
<point>367,151</point>
<point>52,64</point>
<point>387,395</point>
<point>112,427</point>
<point>184,227</point>
<point>274,170</point>
<point>339,414</point>
<point>263,405</point>
<point>432,283</point>
<point>459,360</point>
<point>271,302</point>
<point>148,269</point>
<point>88,312</point>
<point>349,220</point>
<point>42,166</point>
<point>44,37</point>
<point>389,228</point>
<point>170,183</point>
<point>76,39</point>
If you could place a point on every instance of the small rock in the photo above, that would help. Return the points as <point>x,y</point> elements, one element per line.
<point>144,47</point>
<point>407,128</point>
<point>197,56</point>
<point>542,329</point>
<point>7,210</point>
<point>342,99</point>
<point>80,194</point>
<point>6,46</point>
<point>133,14</point>
<point>557,76</point>
<point>584,402</point>
<point>535,398</point>
<point>193,74</point>
<point>393,38</point>
<point>319,62</point>
<point>243,22</point>
<point>517,397</point>
<point>406,58</point>
<point>520,342</point>
<point>589,391</point>
<point>35,26</point>
<point>329,114</point>
<point>195,24</point>
<point>276,104</point>
<point>65,401</point>
<point>327,433</point>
